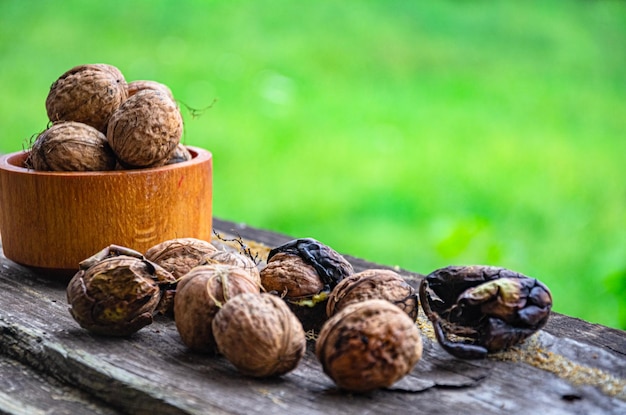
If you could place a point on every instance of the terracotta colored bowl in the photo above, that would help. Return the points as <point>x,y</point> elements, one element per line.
<point>51,221</point>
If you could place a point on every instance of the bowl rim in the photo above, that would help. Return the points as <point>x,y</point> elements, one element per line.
<point>11,162</point>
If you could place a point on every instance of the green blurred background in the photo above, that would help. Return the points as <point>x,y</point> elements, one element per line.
<point>416,134</point>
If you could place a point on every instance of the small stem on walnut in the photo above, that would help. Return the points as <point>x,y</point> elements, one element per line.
<point>243,248</point>
<point>217,302</point>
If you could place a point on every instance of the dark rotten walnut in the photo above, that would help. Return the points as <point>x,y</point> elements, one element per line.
<point>303,272</point>
<point>476,310</point>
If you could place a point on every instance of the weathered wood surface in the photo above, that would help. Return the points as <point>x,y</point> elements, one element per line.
<point>49,365</point>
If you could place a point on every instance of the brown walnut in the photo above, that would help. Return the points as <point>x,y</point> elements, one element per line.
<point>71,146</point>
<point>259,335</point>
<point>145,130</point>
<point>368,345</point>
<point>302,272</point>
<point>87,94</point>
<point>236,259</point>
<point>199,296</point>
<point>291,277</point>
<point>116,292</point>
<point>371,284</point>
<point>180,255</point>
<point>135,86</point>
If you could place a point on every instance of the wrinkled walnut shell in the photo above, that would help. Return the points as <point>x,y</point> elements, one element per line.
<point>235,259</point>
<point>259,335</point>
<point>368,345</point>
<point>71,146</point>
<point>303,271</point>
<point>116,292</point>
<point>145,130</point>
<point>135,86</point>
<point>180,255</point>
<point>371,284</point>
<point>291,277</point>
<point>300,287</point>
<point>199,296</point>
<point>87,94</point>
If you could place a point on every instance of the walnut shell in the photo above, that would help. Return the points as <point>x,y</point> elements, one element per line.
<point>371,284</point>
<point>145,130</point>
<point>236,259</point>
<point>259,335</point>
<point>71,146</point>
<point>87,94</point>
<point>179,155</point>
<point>180,255</point>
<point>368,345</point>
<point>199,296</point>
<point>291,277</point>
<point>300,287</point>
<point>303,271</point>
<point>135,86</point>
<point>115,293</point>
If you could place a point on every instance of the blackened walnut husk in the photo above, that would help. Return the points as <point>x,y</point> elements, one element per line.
<point>331,266</point>
<point>476,310</point>
<point>303,271</point>
<point>368,345</point>
<point>383,284</point>
<point>116,292</point>
<point>259,335</point>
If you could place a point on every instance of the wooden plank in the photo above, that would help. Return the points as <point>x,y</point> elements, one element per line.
<point>28,392</point>
<point>558,371</point>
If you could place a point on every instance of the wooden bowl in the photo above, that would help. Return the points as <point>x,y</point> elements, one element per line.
<point>51,221</point>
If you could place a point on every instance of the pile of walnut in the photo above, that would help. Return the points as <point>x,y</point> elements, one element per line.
<point>100,122</point>
<point>368,336</point>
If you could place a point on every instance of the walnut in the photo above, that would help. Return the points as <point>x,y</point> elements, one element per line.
<point>116,292</point>
<point>180,255</point>
<point>303,272</point>
<point>259,335</point>
<point>87,94</point>
<point>71,146</point>
<point>179,155</point>
<point>145,130</point>
<point>368,345</point>
<point>135,86</point>
<point>235,259</point>
<point>370,284</point>
<point>199,296</point>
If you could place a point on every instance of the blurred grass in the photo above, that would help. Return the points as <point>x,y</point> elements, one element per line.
<point>418,135</point>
